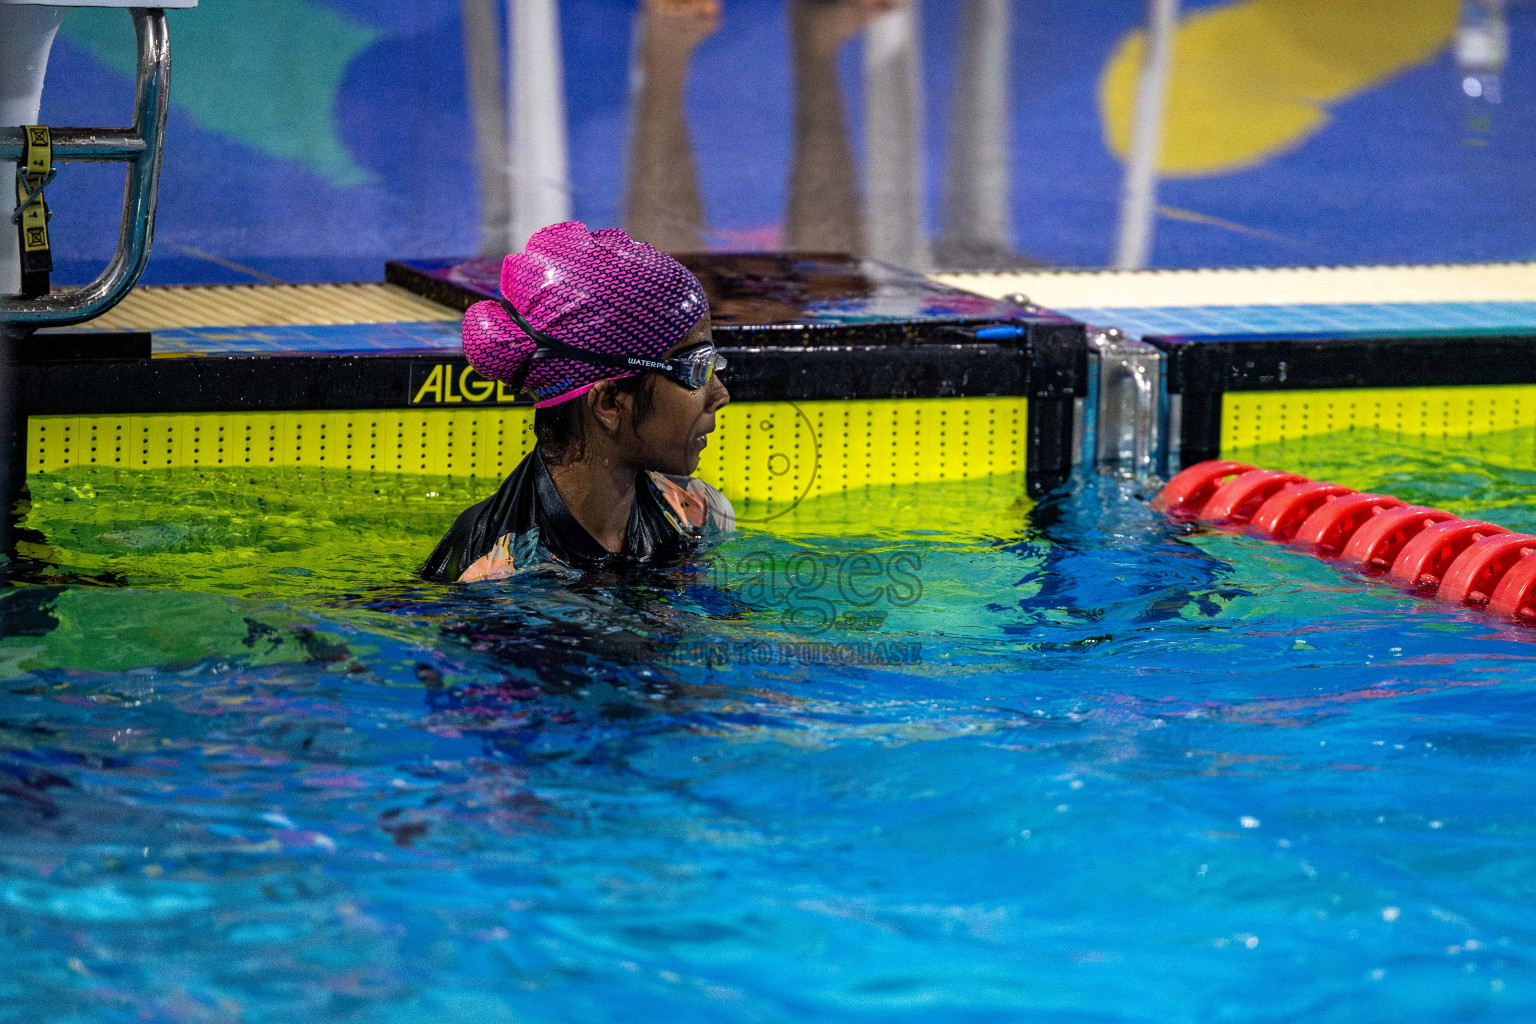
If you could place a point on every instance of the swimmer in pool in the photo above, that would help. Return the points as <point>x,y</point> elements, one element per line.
<point>612,338</point>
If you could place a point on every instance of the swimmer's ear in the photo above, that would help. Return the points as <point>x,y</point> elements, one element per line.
<point>608,406</point>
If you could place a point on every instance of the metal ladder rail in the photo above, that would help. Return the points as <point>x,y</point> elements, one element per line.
<point>140,147</point>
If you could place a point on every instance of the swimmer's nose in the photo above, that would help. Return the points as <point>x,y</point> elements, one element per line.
<point>720,394</point>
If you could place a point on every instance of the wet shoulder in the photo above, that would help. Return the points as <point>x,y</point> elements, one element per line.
<point>696,504</point>
<point>496,564</point>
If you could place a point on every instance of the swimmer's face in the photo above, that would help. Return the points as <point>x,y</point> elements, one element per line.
<point>673,434</point>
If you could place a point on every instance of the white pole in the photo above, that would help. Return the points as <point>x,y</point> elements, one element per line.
<point>540,179</point>
<point>977,206</point>
<point>893,128</point>
<point>26,38</point>
<point>1138,205</point>
<point>487,106</point>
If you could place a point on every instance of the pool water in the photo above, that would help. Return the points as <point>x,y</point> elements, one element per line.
<point>926,754</point>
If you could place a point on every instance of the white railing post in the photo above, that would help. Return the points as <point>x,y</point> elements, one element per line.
<point>893,140</point>
<point>977,228</point>
<point>537,153</point>
<point>1138,203</point>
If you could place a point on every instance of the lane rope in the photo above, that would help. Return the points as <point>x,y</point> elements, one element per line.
<point>1433,553</point>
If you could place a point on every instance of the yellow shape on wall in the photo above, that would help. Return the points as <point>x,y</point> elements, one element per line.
<point>1254,79</point>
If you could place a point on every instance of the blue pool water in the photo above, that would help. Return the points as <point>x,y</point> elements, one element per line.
<point>1139,773</point>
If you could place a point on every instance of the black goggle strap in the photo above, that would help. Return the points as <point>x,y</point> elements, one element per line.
<point>554,346</point>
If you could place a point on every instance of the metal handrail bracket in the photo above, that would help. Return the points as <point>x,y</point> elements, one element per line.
<point>1130,439</point>
<point>140,147</point>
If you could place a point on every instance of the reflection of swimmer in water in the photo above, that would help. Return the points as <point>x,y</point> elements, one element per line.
<point>663,204</point>
<point>613,339</point>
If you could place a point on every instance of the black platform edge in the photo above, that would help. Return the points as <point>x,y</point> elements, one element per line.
<point>297,382</point>
<point>1202,369</point>
<point>829,326</point>
<point>444,293</point>
<point>821,299</point>
<point>1049,374</point>
<point>69,346</point>
<point>922,356</point>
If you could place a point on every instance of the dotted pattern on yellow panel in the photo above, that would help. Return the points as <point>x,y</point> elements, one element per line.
<point>471,442</point>
<point>1250,418</point>
<point>785,451</point>
<point>774,451</point>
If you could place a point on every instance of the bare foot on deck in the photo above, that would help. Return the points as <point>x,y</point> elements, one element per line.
<point>677,26</point>
<point>825,25</point>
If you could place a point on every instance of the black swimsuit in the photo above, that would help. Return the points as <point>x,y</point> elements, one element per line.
<point>526,523</point>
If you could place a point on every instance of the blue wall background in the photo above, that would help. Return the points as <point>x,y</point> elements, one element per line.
<point>314,139</point>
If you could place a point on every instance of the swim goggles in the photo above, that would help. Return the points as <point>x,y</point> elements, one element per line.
<point>692,369</point>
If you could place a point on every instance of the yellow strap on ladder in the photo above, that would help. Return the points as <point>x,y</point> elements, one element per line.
<point>33,175</point>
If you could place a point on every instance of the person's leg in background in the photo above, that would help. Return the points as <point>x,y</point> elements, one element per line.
<point>825,214</point>
<point>662,204</point>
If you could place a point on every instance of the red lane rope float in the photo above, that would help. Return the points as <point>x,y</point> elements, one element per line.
<point>1376,545</point>
<point>1423,562</point>
<point>1282,515</point>
<point>1327,530</point>
<point>1471,579</point>
<point>1464,562</point>
<point>1235,501</point>
<point>1515,596</point>
<point>1186,494</point>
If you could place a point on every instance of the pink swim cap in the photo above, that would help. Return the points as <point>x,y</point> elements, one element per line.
<point>597,290</point>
